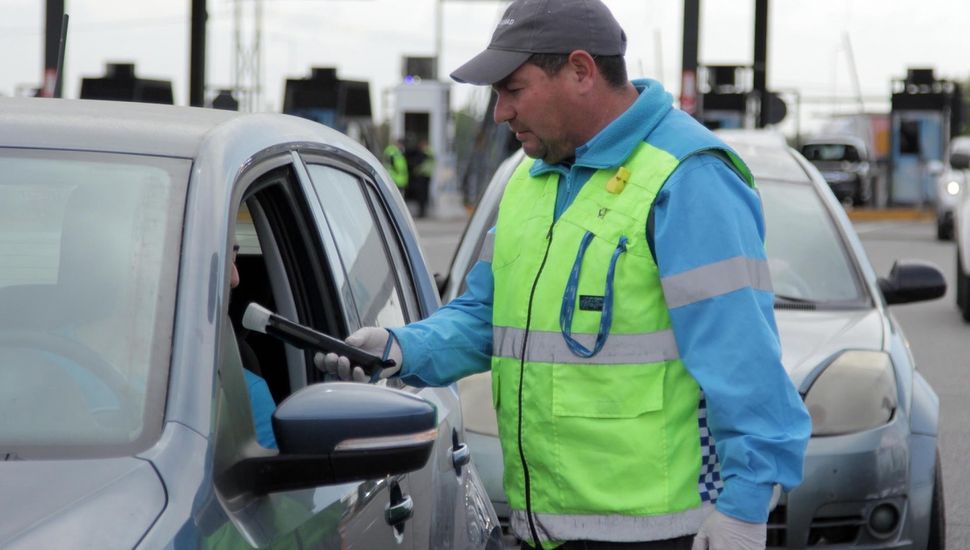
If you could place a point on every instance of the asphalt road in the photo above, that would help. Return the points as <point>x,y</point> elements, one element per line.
<point>939,339</point>
<point>941,345</point>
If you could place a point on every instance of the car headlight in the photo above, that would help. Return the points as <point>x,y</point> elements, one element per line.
<point>952,187</point>
<point>855,392</point>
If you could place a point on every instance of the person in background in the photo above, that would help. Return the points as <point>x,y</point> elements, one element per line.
<point>421,164</point>
<point>623,304</point>
<point>396,164</point>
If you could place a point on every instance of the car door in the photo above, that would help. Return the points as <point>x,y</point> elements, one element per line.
<point>284,266</point>
<point>381,277</point>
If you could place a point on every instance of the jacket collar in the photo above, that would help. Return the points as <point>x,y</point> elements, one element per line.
<point>616,142</point>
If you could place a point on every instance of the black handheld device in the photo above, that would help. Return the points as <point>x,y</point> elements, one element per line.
<point>258,318</point>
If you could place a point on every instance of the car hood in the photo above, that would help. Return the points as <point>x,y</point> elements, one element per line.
<point>810,337</point>
<point>93,503</point>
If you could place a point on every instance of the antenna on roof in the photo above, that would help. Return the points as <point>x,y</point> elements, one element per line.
<point>60,58</point>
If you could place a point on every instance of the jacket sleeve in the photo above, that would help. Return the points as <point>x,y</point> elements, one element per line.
<point>708,239</point>
<point>455,341</point>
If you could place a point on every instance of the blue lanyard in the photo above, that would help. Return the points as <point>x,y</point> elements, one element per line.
<point>569,300</point>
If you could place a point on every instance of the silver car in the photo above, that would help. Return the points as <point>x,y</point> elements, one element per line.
<point>872,471</point>
<point>127,404</point>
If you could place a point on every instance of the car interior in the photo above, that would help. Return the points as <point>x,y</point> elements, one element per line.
<point>279,269</point>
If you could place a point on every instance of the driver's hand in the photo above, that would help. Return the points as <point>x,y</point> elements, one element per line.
<point>374,340</point>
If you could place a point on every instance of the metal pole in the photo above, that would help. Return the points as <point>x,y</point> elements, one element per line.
<point>688,76</point>
<point>59,78</point>
<point>54,16</point>
<point>438,26</point>
<point>854,72</point>
<point>761,59</point>
<point>258,58</point>
<point>197,54</point>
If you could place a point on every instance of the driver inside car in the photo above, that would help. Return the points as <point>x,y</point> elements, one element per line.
<point>260,398</point>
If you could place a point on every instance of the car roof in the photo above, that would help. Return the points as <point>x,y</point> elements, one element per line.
<point>840,139</point>
<point>144,128</point>
<point>766,153</point>
<point>97,125</point>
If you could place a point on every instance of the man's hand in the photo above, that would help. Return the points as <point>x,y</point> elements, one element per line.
<point>722,532</point>
<point>374,340</point>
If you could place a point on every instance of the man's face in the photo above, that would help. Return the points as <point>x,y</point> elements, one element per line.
<point>535,106</point>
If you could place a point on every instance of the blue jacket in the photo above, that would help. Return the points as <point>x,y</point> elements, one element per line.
<point>705,213</point>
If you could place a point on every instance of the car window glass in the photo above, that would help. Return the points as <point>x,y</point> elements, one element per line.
<point>363,251</point>
<point>830,152</point>
<point>88,263</point>
<point>806,255</point>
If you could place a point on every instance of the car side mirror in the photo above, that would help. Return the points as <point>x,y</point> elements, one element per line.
<point>960,161</point>
<point>338,432</point>
<point>912,281</point>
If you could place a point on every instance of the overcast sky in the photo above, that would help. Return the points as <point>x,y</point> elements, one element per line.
<point>809,42</point>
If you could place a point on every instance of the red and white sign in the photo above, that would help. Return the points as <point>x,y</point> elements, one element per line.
<point>688,92</point>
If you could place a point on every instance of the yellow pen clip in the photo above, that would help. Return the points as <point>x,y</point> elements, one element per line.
<point>618,181</point>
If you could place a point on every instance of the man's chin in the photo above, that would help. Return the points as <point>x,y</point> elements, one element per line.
<point>533,152</point>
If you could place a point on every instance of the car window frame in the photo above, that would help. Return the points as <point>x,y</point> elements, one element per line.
<point>380,212</point>
<point>266,511</point>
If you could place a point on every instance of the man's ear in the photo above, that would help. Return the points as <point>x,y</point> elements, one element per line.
<point>583,68</point>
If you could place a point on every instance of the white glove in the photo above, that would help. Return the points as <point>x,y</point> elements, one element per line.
<point>374,340</point>
<point>722,532</point>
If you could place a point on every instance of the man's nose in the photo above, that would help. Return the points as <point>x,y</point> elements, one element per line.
<point>503,112</point>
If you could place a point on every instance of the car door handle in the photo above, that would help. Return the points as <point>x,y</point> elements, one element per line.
<point>397,513</point>
<point>460,456</point>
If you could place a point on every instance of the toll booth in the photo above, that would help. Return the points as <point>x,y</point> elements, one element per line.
<point>925,113</point>
<point>343,105</point>
<point>724,97</point>
<point>119,83</point>
<point>728,99</point>
<point>422,114</point>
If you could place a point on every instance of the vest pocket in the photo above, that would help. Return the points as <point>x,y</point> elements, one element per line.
<point>607,391</point>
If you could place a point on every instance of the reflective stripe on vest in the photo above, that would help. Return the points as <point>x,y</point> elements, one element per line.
<point>714,280</point>
<point>621,528</point>
<point>620,349</point>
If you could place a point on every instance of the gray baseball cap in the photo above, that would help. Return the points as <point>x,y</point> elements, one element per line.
<point>544,26</point>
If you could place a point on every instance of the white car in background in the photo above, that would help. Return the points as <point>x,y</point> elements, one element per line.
<point>950,185</point>
<point>959,176</point>
<point>872,469</point>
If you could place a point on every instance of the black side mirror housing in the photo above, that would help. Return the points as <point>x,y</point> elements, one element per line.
<point>912,281</point>
<point>338,432</point>
<point>960,161</point>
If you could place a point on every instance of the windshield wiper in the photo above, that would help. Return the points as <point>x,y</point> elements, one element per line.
<point>785,299</point>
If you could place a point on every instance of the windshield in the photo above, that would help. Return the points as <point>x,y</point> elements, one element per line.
<point>806,254</point>
<point>88,260</point>
<point>831,152</point>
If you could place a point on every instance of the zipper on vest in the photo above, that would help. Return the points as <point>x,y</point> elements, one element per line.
<point>525,344</point>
